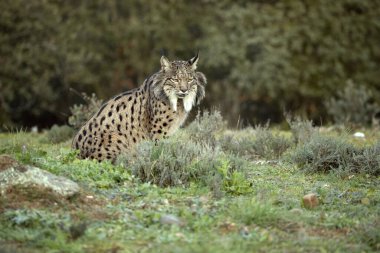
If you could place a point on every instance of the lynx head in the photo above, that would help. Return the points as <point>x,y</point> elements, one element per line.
<point>180,81</point>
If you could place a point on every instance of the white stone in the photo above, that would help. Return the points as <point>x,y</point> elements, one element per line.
<point>359,135</point>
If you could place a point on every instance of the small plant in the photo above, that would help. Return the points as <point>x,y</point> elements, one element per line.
<point>32,218</point>
<point>250,211</point>
<point>353,105</point>
<point>100,175</point>
<point>58,134</point>
<point>81,113</point>
<point>233,180</point>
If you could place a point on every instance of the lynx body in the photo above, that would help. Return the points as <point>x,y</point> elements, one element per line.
<point>152,111</point>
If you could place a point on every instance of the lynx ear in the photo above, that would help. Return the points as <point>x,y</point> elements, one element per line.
<point>165,64</point>
<point>193,61</point>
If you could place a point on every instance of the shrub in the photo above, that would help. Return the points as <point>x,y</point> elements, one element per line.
<point>302,130</point>
<point>353,105</point>
<point>239,143</point>
<point>58,134</point>
<point>173,161</point>
<point>81,113</point>
<point>193,154</point>
<point>268,144</point>
<point>206,127</point>
<point>256,143</point>
<point>332,154</point>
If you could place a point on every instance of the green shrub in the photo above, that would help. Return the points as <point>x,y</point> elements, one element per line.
<point>81,113</point>
<point>353,105</point>
<point>333,154</point>
<point>58,134</point>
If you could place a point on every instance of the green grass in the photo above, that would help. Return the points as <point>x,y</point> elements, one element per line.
<point>234,205</point>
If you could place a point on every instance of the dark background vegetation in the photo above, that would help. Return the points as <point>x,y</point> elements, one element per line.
<point>319,59</point>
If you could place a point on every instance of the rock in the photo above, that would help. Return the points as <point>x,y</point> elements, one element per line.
<point>13,173</point>
<point>170,219</point>
<point>296,211</point>
<point>359,135</point>
<point>310,200</point>
<point>365,201</point>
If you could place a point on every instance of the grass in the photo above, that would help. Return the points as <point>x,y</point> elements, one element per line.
<point>225,199</point>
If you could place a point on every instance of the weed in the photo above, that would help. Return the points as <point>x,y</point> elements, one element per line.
<point>233,178</point>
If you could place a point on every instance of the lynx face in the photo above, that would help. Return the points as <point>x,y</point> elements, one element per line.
<point>181,83</point>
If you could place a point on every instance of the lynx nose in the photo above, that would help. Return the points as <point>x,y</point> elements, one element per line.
<point>183,89</point>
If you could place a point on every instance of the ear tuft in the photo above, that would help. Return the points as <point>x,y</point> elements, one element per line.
<point>194,61</point>
<point>165,64</point>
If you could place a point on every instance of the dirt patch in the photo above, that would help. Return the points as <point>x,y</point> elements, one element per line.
<point>330,233</point>
<point>36,197</point>
<point>6,162</point>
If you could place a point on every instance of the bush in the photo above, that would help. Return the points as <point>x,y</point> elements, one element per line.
<point>81,113</point>
<point>59,134</point>
<point>302,130</point>
<point>170,162</point>
<point>192,154</point>
<point>206,127</point>
<point>353,105</point>
<point>259,142</point>
<point>269,145</point>
<point>332,154</point>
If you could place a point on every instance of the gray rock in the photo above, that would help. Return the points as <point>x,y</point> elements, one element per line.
<point>12,173</point>
<point>171,220</point>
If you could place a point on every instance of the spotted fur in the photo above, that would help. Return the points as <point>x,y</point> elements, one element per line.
<point>153,111</point>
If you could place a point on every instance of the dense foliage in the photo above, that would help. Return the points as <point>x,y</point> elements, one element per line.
<point>268,56</point>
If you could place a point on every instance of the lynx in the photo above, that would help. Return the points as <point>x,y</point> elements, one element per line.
<point>150,112</point>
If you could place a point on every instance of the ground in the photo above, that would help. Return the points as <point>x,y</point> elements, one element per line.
<point>116,212</point>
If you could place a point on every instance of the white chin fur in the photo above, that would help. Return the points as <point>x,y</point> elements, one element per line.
<point>188,101</point>
<point>173,101</point>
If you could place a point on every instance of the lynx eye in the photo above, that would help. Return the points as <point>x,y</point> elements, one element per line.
<point>173,79</point>
<point>191,80</point>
